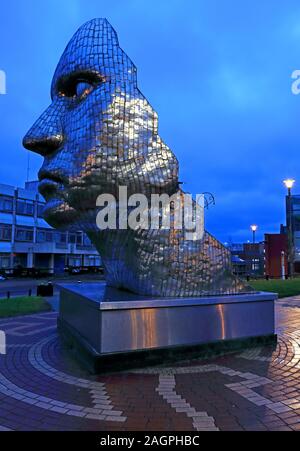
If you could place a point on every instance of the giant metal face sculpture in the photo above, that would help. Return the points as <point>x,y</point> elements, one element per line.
<point>100,133</point>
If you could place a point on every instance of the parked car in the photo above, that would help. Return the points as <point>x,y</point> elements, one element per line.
<point>2,278</point>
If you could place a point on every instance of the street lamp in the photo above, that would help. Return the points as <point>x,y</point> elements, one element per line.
<point>282,264</point>
<point>253,227</point>
<point>289,183</point>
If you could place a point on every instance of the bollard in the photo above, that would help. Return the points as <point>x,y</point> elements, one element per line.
<point>8,295</point>
<point>30,292</point>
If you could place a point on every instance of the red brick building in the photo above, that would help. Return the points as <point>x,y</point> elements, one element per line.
<point>276,254</point>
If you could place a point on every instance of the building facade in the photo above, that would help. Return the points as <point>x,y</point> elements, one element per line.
<point>27,241</point>
<point>276,247</point>
<point>248,258</point>
<point>293,222</point>
<point>267,258</point>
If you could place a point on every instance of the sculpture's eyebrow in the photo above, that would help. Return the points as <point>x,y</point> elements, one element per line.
<point>65,84</point>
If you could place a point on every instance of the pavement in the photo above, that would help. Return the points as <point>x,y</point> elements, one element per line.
<point>43,388</point>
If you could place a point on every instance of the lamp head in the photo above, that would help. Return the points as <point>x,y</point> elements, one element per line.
<point>289,183</point>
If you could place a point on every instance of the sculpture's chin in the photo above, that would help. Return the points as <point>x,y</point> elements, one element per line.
<point>59,215</point>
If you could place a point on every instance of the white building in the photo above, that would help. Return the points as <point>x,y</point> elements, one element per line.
<point>27,241</point>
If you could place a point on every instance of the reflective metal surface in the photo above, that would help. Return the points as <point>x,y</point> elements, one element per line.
<point>112,327</point>
<point>100,133</point>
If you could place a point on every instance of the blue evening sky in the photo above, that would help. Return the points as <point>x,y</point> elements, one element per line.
<point>217,72</point>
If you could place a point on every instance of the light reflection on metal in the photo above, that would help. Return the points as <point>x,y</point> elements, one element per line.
<point>220,308</point>
<point>144,328</point>
<point>100,133</point>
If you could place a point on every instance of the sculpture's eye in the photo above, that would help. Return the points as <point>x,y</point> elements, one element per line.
<point>82,88</point>
<point>76,88</point>
<point>78,85</point>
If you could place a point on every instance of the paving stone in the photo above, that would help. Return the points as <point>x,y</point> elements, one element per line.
<point>43,388</point>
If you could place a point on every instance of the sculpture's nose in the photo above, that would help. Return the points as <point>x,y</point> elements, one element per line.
<point>45,136</point>
<point>43,145</point>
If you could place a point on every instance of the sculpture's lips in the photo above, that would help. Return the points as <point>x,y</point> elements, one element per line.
<point>51,183</point>
<point>49,188</point>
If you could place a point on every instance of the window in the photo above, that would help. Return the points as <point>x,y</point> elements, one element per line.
<point>94,260</point>
<point>44,236</point>
<point>255,264</point>
<point>74,261</point>
<point>72,238</point>
<point>86,240</point>
<point>79,238</point>
<point>60,237</point>
<point>5,232</point>
<point>4,261</point>
<point>25,207</point>
<point>6,203</point>
<point>82,241</point>
<point>40,209</point>
<point>24,234</point>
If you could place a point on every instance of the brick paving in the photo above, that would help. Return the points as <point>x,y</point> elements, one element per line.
<point>43,388</point>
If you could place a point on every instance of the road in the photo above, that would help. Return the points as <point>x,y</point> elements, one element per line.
<point>21,287</point>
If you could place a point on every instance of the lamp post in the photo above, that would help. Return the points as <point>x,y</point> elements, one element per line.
<point>253,227</point>
<point>282,264</point>
<point>289,183</point>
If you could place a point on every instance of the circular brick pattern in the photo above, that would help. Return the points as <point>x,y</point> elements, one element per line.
<point>43,388</point>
